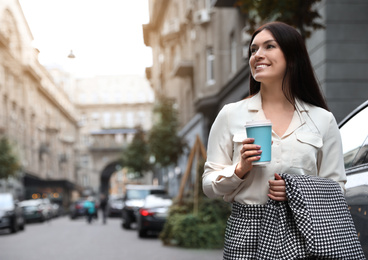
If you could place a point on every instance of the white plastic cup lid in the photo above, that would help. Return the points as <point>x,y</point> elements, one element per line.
<point>258,123</point>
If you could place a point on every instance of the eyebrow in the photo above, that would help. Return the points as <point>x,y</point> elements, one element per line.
<point>268,41</point>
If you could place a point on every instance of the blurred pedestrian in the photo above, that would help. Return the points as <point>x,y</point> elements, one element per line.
<point>305,136</point>
<point>90,208</point>
<point>103,206</point>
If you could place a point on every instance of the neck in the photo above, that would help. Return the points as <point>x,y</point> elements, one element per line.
<point>274,96</point>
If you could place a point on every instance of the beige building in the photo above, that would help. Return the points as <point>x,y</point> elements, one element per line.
<point>111,108</point>
<point>67,133</point>
<point>35,114</point>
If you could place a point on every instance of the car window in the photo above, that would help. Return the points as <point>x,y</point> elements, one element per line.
<point>136,194</point>
<point>355,140</point>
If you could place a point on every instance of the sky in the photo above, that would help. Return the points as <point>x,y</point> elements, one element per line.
<point>105,36</point>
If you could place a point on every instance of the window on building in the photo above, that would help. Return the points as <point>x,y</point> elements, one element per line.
<point>95,117</point>
<point>84,161</point>
<point>141,117</point>
<point>210,66</point>
<point>106,119</point>
<point>86,140</point>
<point>118,119</point>
<point>119,138</point>
<point>83,120</point>
<point>130,119</point>
<point>232,53</point>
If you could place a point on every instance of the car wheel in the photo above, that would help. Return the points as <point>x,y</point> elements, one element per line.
<point>126,221</point>
<point>126,224</point>
<point>23,225</point>
<point>142,233</point>
<point>15,227</point>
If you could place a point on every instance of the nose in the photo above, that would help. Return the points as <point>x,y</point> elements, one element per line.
<point>259,53</point>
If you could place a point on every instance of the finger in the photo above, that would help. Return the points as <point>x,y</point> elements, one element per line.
<point>277,177</point>
<point>249,147</point>
<point>277,198</point>
<point>280,183</point>
<point>248,141</point>
<point>277,188</point>
<point>277,193</point>
<point>251,153</point>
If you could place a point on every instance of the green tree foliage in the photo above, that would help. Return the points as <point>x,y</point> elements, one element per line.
<point>9,164</point>
<point>164,143</point>
<point>297,13</point>
<point>136,155</point>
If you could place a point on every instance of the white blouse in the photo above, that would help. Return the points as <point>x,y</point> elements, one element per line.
<point>310,146</point>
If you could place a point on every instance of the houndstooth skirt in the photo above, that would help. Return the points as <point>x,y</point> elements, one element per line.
<point>242,231</point>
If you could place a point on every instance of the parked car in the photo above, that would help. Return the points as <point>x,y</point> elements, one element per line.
<point>354,135</point>
<point>114,206</point>
<point>48,208</point>
<point>11,215</point>
<point>134,200</point>
<point>34,210</point>
<point>77,209</point>
<point>153,214</point>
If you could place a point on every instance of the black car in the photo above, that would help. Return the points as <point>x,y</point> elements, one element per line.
<point>134,200</point>
<point>354,135</point>
<point>152,216</point>
<point>11,215</point>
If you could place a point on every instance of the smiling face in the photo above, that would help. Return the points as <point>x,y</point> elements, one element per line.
<point>267,61</point>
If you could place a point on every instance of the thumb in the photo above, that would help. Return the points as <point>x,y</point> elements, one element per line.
<point>277,177</point>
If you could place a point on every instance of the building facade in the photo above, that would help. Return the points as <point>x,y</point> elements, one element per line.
<point>35,114</point>
<point>68,134</point>
<point>200,58</point>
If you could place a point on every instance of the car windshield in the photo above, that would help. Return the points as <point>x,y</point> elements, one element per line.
<point>136,194</point>
<point>5,201</point>
<point>355,139</point>
<point>141,194</point>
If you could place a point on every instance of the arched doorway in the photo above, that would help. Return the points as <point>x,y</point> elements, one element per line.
<point>106,174</point>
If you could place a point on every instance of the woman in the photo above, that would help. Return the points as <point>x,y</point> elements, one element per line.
<point>305,136</point>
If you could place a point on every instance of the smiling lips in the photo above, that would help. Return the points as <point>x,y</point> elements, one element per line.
<point>261,66</point>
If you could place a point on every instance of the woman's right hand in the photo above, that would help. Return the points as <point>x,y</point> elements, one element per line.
<point>249,153</point>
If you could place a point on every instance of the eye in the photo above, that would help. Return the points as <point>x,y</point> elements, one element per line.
<point>270,46</point>
<point>253,50</point>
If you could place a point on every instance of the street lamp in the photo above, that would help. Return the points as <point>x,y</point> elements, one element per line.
<point>71,55</point>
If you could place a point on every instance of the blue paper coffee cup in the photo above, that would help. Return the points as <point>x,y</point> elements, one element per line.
<point>261,131</point>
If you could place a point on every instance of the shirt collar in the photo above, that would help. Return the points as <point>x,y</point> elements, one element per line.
<point>301,106</point>
<point>255,104</point>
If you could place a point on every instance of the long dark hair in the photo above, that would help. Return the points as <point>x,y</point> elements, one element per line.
<point>299,79</point>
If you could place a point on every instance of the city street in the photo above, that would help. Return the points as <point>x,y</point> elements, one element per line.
<point>62,238</point>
